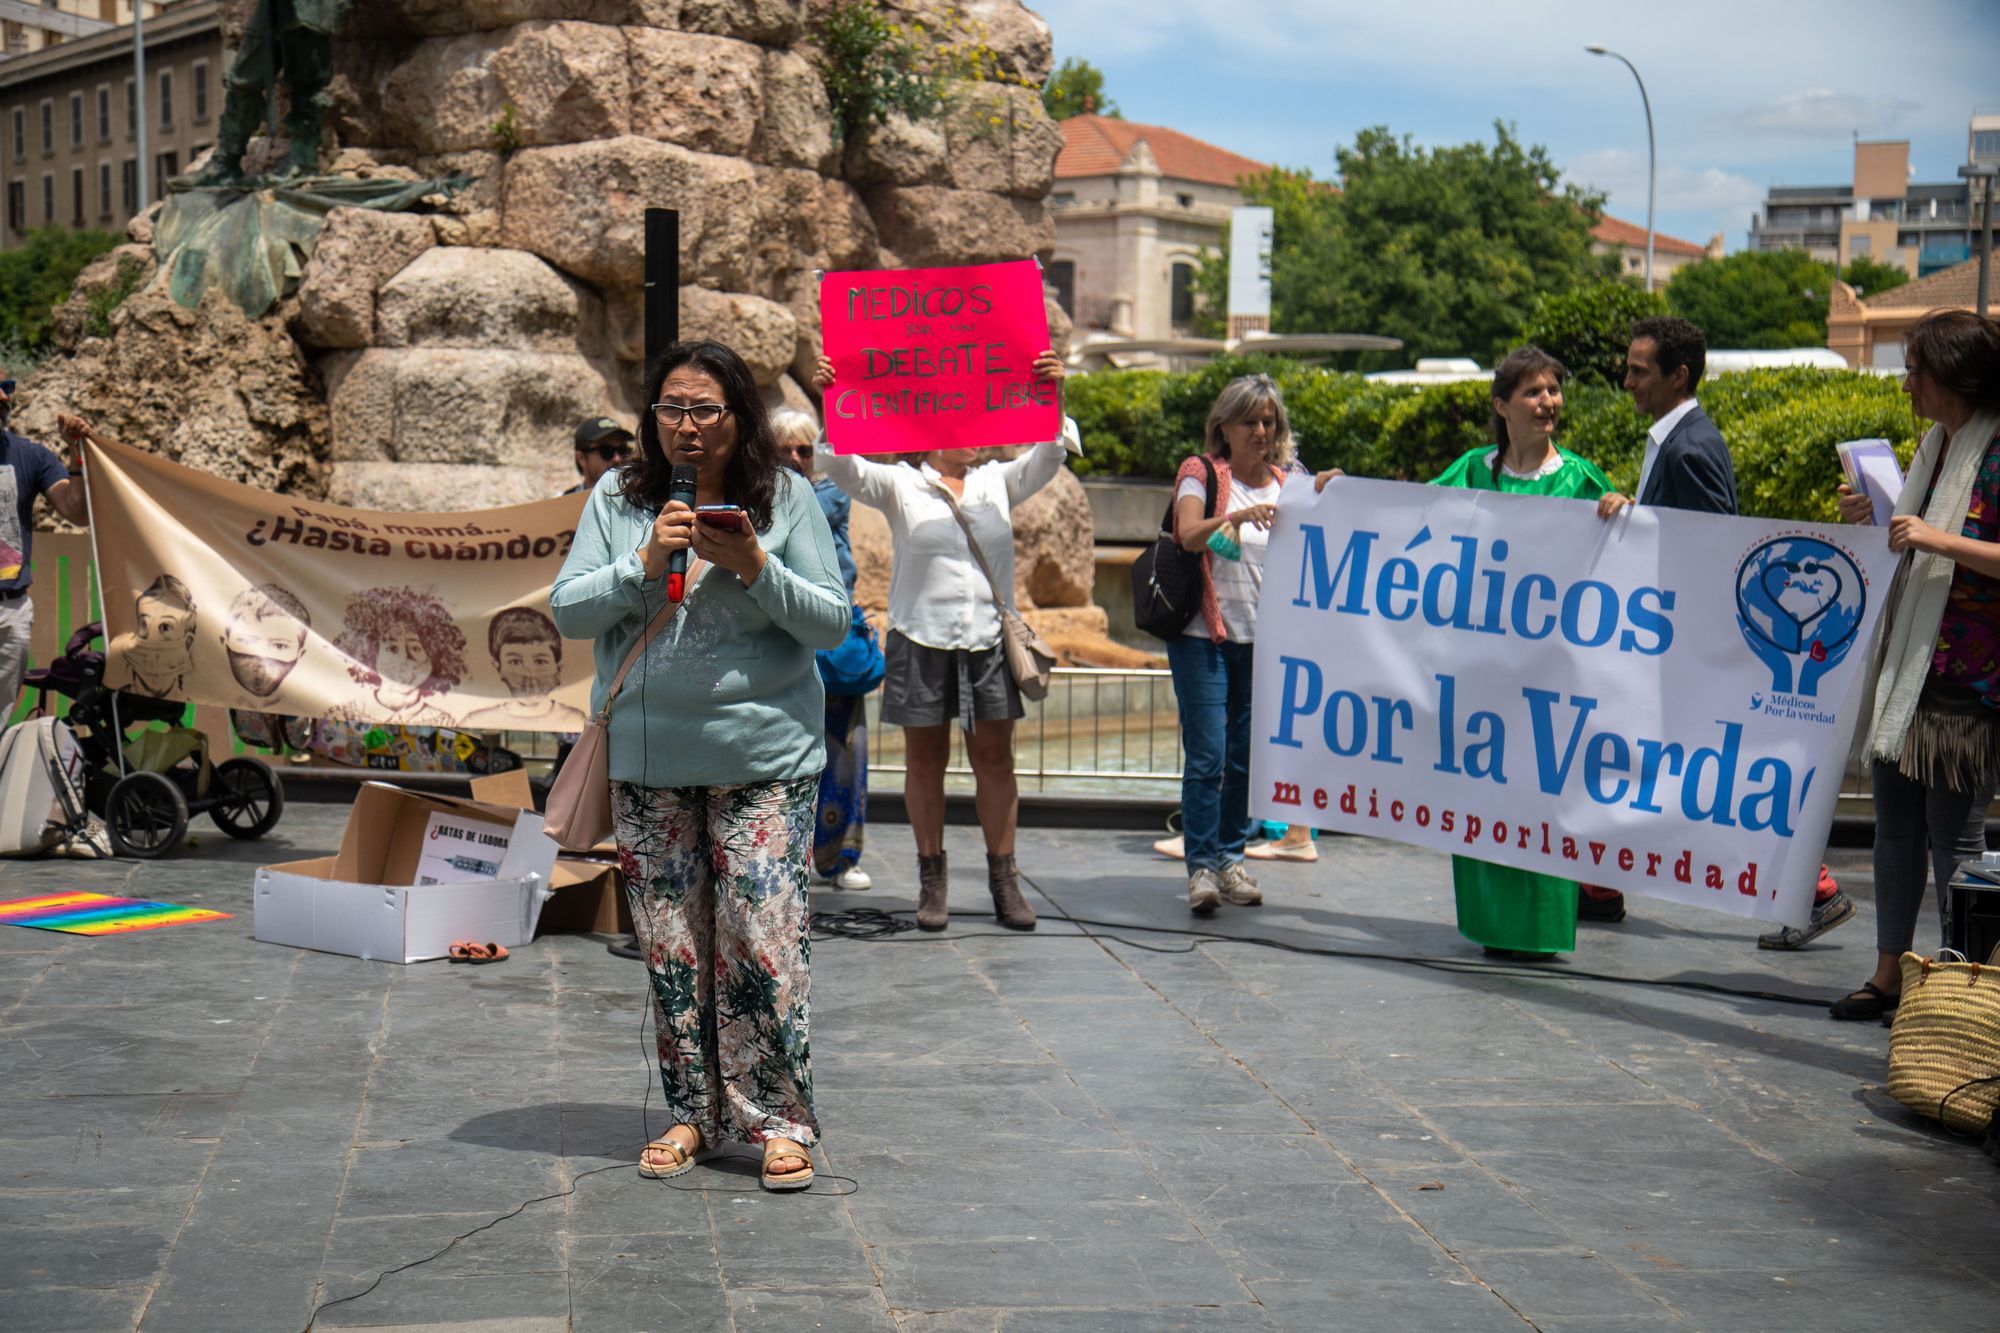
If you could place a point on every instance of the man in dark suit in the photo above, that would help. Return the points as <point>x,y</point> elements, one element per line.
<point>1687,467</point>
<point>1687,464</point>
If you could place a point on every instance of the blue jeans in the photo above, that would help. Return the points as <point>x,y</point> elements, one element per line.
<point>1212,682</point>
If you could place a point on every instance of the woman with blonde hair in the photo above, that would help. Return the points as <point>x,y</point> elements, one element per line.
<point>1246,452</point>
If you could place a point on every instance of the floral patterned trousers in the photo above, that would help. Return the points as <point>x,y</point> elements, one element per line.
<point>717,881</point>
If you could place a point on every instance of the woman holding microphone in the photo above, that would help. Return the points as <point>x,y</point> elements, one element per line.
<point>715,747</point>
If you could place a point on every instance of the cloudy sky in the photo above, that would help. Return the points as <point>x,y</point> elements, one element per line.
<point>1745,94</point>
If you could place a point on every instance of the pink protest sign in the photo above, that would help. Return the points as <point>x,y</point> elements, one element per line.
<point>936,358</point>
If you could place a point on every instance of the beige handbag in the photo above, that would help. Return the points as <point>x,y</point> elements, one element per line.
<point>578,812</point>
<point>1944,1047</point>
<point>1029,657</point>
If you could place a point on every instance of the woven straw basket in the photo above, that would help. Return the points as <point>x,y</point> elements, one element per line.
<point>1946,1036</point>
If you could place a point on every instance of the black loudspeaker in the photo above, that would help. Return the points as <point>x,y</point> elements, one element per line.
<point>1972,911</point>
<point>663,280</point>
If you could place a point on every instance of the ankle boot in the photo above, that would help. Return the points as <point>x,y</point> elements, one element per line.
<point>1008,905</point>
<point>931,882</point>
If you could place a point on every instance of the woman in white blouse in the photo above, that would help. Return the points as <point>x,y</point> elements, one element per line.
<point>944,655</point>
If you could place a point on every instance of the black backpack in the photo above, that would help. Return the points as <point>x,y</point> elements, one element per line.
<point>1166,579</point>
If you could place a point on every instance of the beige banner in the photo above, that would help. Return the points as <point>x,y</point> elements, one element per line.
<point>216,593</point>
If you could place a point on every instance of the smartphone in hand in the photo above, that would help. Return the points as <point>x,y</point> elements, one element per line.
<point>728,517</point>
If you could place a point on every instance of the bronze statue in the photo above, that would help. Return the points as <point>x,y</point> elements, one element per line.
<point>292,37</point>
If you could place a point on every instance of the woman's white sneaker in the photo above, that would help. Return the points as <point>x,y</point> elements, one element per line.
<point>852,880</point>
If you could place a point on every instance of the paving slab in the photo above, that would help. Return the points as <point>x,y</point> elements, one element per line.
<point>1146,1123</point>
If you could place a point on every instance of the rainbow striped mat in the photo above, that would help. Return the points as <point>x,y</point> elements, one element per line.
<point>98,914</point>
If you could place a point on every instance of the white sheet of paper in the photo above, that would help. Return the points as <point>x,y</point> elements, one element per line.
<point>1884,482</point>
<point>1871,468</point>
<point>458,849</point>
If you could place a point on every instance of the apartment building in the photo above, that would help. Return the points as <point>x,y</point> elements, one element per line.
<point>1134,206</point>
<point>1671,254</point>
<point>36,25</point>
<point>1881,213</point>
<point>69,119</point>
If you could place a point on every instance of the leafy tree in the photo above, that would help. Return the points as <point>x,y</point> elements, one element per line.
<point>1755,298</point>
<point>1445,248</point>
<point>1588,328</point>
<point>1868,276</point>
<point>1076,89</point>
<point>1304,227</point>
<point>36,276</point>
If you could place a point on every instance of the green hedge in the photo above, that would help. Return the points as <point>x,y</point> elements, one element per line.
<point>1781,425</point>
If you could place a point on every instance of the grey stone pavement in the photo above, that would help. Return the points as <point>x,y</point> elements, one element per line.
<point>1046,1132</point>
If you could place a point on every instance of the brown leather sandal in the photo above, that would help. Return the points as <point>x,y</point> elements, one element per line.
<point>683,1158</point>
<point>778,1150</point>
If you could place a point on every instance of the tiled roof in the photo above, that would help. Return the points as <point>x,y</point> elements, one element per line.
<point>1095,145</point>
<point>1617,231</point>
<point>1957,286</point>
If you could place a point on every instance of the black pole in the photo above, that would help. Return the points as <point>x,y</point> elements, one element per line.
<point>663,280</point>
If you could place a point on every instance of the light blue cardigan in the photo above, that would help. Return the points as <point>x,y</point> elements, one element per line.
<point>728,691</point>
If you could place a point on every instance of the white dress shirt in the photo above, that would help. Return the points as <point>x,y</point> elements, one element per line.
<point>937,595</point>
<point>1656,435</point>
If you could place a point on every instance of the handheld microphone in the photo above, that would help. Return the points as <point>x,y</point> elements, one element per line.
<point>680,487</point>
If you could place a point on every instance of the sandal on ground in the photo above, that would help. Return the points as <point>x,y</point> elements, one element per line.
<point>1871,1001</point>
<point>777,1150</point>
<point>681,1159</point>
<point>469,951</point>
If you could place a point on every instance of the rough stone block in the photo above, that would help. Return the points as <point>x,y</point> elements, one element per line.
<point>566,82</point>
<point>461,297</point>
<point>1001,139</point>
<point>925,226</point>
<point>772,22</point>
<point>797,125</point>
<point>358,250</point>
<point>463,405</point>
<point>899,151</point>
<point>763,333</point>
<point>698,91</point>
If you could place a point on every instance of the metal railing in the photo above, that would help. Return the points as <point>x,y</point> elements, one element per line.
<point>1098,731</point>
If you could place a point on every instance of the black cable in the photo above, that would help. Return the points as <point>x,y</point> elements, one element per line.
<point>645,1127</point>
<point>861,924</point>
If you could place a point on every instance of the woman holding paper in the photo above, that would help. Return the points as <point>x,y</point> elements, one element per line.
<point>1247,449</point>
<point>944,656</point>
<point>1518,912</point>
<point>715,746</point>
<point>1934,732</point>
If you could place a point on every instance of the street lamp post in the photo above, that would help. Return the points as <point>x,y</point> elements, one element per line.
<point>1984,173</point>
<point>1652,160</point>
<point>139,181</point>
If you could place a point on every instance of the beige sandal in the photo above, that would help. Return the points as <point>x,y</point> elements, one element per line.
<point>778,1150</point>
<point>683,1158</point>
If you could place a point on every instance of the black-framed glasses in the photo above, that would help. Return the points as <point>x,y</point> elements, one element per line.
<point>702,414</point>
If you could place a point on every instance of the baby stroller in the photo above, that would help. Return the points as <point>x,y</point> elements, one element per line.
<point>146,787</point>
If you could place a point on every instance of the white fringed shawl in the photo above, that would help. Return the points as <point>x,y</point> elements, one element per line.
<point>1917,595</point>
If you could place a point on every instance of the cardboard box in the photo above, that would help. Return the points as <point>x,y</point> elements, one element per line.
<point>362,901</point>
<point>589,898</point>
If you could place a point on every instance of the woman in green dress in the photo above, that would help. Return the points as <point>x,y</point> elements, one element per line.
<point>1517,912</point>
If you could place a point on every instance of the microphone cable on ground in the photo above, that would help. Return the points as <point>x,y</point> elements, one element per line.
<point>645,1127</point>
<point>877,925</point>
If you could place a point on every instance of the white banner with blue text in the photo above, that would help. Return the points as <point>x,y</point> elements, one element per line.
<point>1660,703</point>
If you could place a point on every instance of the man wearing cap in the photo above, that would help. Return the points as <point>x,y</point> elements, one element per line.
<point>28,470</point>
<point>601,445</point>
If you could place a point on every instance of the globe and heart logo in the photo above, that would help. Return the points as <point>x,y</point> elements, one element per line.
<point>1799,603</point>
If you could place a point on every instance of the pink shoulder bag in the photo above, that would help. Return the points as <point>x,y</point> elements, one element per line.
<point>579,805</point>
